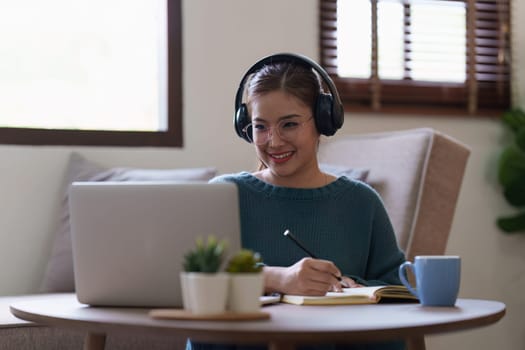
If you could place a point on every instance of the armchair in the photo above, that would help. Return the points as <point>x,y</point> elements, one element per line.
<point>418,173</point>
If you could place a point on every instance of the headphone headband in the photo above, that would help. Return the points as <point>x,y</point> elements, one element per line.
<point>329,114</point>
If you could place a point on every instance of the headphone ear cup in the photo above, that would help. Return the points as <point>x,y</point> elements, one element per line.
<point>241,120</point>
<point>323,115</point>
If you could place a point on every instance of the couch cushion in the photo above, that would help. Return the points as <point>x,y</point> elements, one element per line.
<point>58,276</point>
<point>360,174</point>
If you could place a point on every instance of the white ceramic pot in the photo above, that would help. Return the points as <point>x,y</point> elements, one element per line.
<point>186,302</point>
<point>204,293</point>
<point>245,290</point>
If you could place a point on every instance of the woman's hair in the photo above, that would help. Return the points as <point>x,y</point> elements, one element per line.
<point>295,79</point>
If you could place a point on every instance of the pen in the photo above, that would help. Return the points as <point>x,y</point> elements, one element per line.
<point>288,234</point>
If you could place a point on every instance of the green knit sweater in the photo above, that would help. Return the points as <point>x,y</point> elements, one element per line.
<point>344,222</point>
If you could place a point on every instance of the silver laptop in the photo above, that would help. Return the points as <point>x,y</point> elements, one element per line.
<point>129,238</point>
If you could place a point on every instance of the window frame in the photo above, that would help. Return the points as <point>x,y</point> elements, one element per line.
<point>416,97</point>
<point>172,137</point>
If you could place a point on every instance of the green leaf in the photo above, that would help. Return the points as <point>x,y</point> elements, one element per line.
<point>512,224</point>
<point>511,171</point>
<point>245,261</point>
<point>515,192</point>
<point>511,166</point>
<point>515,119</point>
<point>520,138</point>
<point>207,256</point>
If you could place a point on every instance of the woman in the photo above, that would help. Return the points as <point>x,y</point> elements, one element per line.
<point>343,221</point>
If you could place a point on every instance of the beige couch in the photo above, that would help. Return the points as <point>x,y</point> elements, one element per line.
<point>417,172</point>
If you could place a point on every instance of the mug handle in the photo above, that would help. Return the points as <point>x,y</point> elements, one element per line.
<point>402,276</point>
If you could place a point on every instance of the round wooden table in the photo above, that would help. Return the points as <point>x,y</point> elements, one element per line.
<point>288,326</point>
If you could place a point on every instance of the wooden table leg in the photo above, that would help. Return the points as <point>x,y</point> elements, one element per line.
<point>281,346</point>
<point>416,343</point>
<point>95,341</point>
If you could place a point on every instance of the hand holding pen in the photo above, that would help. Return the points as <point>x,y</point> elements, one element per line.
<point>288,234</point>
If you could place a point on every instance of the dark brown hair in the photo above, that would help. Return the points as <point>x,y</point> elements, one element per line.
<point>296,80</point>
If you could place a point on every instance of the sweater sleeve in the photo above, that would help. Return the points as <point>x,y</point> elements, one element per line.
<point>221,179</point>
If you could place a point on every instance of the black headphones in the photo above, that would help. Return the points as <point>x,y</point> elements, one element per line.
<point>328,113</point>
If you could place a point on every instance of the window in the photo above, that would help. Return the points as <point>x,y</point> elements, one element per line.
<point>439,56</point>
<point>91,72</point>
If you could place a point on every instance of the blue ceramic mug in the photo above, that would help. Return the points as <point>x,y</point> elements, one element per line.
<point>437,279</point>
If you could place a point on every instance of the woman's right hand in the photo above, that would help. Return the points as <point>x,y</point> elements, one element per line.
<point>306,277</point>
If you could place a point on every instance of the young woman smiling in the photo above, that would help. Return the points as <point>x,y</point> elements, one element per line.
<point>282,109</point>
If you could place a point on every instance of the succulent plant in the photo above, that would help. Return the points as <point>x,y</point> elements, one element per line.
<point>206,256</point>
<point>244,261</point>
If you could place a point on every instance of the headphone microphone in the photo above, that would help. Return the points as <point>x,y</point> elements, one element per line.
<point>328,110</point>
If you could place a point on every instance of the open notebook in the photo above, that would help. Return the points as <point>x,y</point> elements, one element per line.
<point>363,295</point>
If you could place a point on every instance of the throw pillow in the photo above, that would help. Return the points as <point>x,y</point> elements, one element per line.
<point>340,170</point>
<point>59,276</point>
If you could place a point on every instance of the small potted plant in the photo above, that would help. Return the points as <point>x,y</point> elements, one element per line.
<point>246,281</point>
<point>204,288</point>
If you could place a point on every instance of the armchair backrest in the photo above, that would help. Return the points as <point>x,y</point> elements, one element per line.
<point>417,172</point>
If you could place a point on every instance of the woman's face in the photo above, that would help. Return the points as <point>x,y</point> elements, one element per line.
<point>285,138</point>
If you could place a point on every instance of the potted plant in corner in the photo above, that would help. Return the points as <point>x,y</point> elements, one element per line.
<point>204,288</point>
<point>511,172</point>
<point>246,281</point>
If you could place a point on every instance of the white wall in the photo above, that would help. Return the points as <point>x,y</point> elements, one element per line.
<point>221,40</point>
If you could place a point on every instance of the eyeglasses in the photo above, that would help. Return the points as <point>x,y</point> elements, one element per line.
<point>287,129</point>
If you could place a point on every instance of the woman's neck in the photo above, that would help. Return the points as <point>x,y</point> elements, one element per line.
<point>311,179</point>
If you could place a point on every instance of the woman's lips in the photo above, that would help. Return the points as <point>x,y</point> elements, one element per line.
<point>280,157</point>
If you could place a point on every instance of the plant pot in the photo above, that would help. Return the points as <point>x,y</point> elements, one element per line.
<point>245,290</point>
<point>204,293</point>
